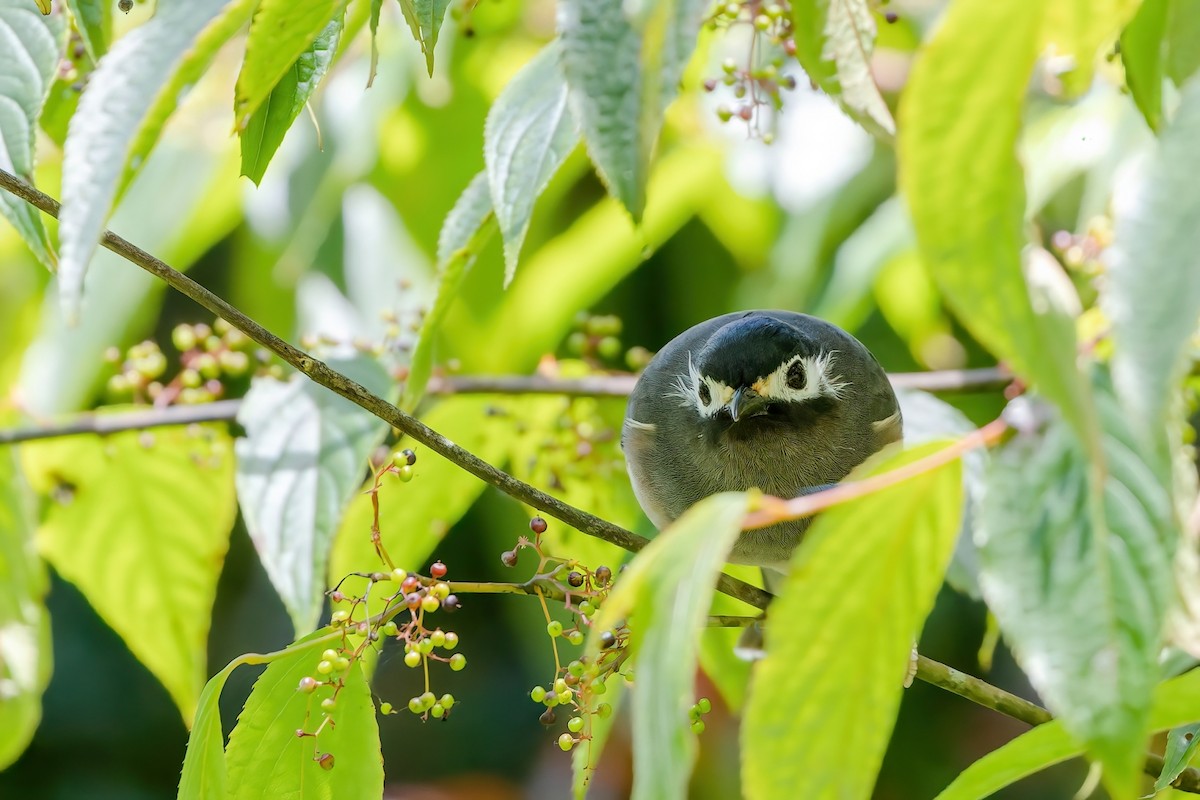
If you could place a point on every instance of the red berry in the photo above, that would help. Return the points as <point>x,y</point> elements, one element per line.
<point>537,525</point>
<point>437,569</point>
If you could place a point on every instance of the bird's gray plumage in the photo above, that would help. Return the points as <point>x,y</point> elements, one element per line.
<point>680,449</point>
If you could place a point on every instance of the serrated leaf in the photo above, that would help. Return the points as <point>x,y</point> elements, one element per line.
<point>414,517</point>
<point>204,776</point>
<point>140,523</point>
<point>424,18</point>
<point>667,589</point>
<point>1153,287</point>
<point>130,94</point>
<point>93,20</point>
<point>854,602</point>
<point>280,32</point>
<point>834,41</point>
<point>1182,743</point>
<point>1080,582</point>
<point>301,462</point>
<point>265,758</point>
<point>267,126</point>
<point>466,230</point>
<point>928,418</point>
<point>959,119</point>
<point>1142,53</point>
<point>1176,703</point>
<point>528,135</point>
<point>1078,29</point>
<point>25,647</point>
<point>29,54</point>
<point>623,68</point>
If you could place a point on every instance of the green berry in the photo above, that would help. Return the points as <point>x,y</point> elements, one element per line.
<point>566,742</point>
<point>437,638</point>
<point>697,727</point>
<point>385,708</point>
<point>389,629</point>
<point>575,724</point>
<point>537,694</point>
<point>586,608</point>
<point>704,705</point>
<point>729,66</point>
<point>575,668</point>
<point>234,362</point>
<point>405,473</point>
<point>425,646</point>
<point>457,662</point>
<point>339,617</point>
<point>399,575</point>
<point>341,664</point>
<point>427,700</point>
<point>451,640</point>
<point>325,667</point>
<point>604,711</point>
<point>328,704</point>
<point>575,637</point>
<point>183,338</point>
<point>329,655</point>
<point>551,700</point>
<point>412,659</point>
<point>438,711</point>
<point>598,686</point>
<point>554,628</point>
<point>447,701</point>
<point>609,347</point>
<point>415,706</point>
<point>429,603</point>
<point>561,687</point>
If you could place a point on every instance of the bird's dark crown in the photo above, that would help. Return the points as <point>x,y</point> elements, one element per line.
<point>750,348</point>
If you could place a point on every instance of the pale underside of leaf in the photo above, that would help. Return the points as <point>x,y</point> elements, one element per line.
<point>850,39</point>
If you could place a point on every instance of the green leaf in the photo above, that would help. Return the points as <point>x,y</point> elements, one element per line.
<point>140,523</point>
<point>1142,53</point>
<point>1183,31</point>
<point>424,18</point>
<point>415,517</point>
<point>667,589</point>
<point>834,41</point>
<point>623,66</point>
<point>528,135</point>
<point>1176,703</point>
<point>204,776</point>
<point>376,8</point>
<point>301,462</point>
<point>93,20</point>
<point>265,758</point>
<point>29,47</point>
<point>1081,585</point>
<point>267,126</point>
<point>130,94</point>
<point>1153,288</point>
<point>1078,29</point>
<point>281,31</point>
<point>24,623</point>
<point>957,115</point>
<point>854,602</point>
<point>1182,743</point>
<point>466,230</point>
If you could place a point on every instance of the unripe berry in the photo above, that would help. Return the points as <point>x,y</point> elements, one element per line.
<point>341,664</point>
<point>604,711</point>
<point>447,701</point>
<point>385,708</point>
<point>183,338</point>
<point>399,575</point>
<point>329,655</point>
<point>412,659</point>
<point>325,667</point>
<point>575,724</point>
<point>554,628</point>
<point>438,711</point>
<point>457,662</point>
<point>451,640</point>
<point>328,704</point>
<point>566,742</point>
<point>414,705</point>
<point>437,638</point>
<point>575,638</point>
<point>427,700</point>
<point>405,473</point>
<point>430,603</point>
<point>704,705</point>
<point>698,727</point>
<point>437,570</point>
<point>308,684</point>
<point>425,646</point>
<point>537,694</point>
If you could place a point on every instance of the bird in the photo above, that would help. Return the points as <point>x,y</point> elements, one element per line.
<point>778,401</point>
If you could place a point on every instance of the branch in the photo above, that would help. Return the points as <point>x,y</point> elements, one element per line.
<point>986,379</point>
<point>930,671</point>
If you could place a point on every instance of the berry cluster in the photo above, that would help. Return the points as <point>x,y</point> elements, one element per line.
<point>213,362</point>
<point>757,82</point>
<point>324,688</point>
<point>696,714</point>
<point>1084,252</point>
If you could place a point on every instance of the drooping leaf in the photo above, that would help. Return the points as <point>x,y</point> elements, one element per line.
<point>424,18</point>
<point>668,588</point>
<point>1142,53</point>
<point>93,20</point>
<point>854,602</point>
<point>467,228</point>
<point>623,65</point>
<point>129,96</point>
<point>267,126</point>
<point>281,32</point>
<point>1153,295</point>
<point>25,654</point>
<point>265,758</point>
<point>834,41</point>
<point>29,45</point>
<point>1078,29</point>
<point>1081,582</point>
<point>204,776</point>
<point>301,462</point>
<point>959,119</point>
<point>1176,703</point>
<point>376,9</point>
<point>1182,743</point>
<point>529,133</point>
<point>1183,31</point>
<point>140,523</point>
<point>414,517</point>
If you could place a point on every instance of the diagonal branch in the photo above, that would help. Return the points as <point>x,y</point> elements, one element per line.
<point>927,670</point>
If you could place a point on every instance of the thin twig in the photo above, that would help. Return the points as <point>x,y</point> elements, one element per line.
<point>319,372</point>
<point>593,386</point>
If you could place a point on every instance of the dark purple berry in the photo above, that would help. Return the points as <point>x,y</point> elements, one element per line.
<point>575,579</point>
<point>547,718</point>
<point>602,575</point>
<point>451,603</point>
<point>537,525</point>
<point>607,639</point>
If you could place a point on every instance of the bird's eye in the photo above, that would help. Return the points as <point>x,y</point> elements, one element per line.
<point>705,393</point>
<point>795,376</point>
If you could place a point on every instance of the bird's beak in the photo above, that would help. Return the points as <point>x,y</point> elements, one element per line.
<point>745,403</point>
